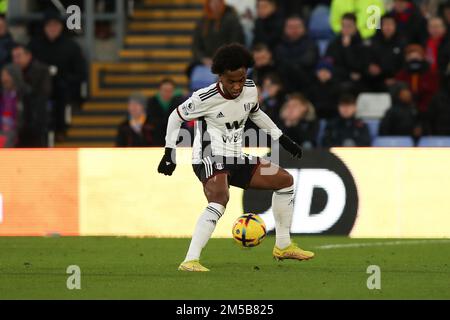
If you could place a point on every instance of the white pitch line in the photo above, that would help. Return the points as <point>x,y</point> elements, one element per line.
<point>385,243</point>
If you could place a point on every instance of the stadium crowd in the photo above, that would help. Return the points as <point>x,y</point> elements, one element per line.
<point>38,81</point>
<point>313,60</point>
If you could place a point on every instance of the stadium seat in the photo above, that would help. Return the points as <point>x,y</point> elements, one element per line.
<point>322,125</point>
<point>437,141</point>
<point>201,77</point>
<point>319,25</point>
<point>322,45</point>
<point>393,142</point>
<point>372,105</point>
<point>373,125</point>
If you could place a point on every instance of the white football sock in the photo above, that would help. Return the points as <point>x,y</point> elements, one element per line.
<point>203,230</point>
<point>283,209</point>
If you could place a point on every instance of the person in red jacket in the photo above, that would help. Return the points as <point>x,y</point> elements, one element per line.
<point>436,42</point>
<point>422,81</point>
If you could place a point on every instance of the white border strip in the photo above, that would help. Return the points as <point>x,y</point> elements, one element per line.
<point>379,244</point>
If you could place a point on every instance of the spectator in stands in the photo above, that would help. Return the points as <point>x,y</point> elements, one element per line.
<point>418,75</point>
<point>346,130</point>
<point>298,120</point>
<point>247,14</point>
<point>163,103</point>
<point>220,25</point>
<point>268,24</point>
<point>13,87</point>
<point>410,22</point>
<point>360,8</point>
<point>324,81</point>
<point>385,56</point>
<point>439,111</point>
<point>444,13</point>
<point>6,42</point>
<point>428,8</point>
<point>296,55</point>
<point>67,68</point>
<point>436,44</point>
<point>34,129</point>
<point>138,130</point>
<point>444,51</point>
<point>272,96</point>
<point>401,119</point>
<point>347,53</point>
<point>263,65</point>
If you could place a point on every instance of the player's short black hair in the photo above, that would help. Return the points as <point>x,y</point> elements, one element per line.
<point>231,57</point>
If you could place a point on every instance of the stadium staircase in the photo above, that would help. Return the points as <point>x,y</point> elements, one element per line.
<point>156,45</point>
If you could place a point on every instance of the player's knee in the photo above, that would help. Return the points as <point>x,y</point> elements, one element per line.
<point>219,196</point>
<point>286,180</point>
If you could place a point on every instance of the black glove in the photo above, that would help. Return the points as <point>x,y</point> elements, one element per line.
<point>290,146</point>
<point>167,164</point>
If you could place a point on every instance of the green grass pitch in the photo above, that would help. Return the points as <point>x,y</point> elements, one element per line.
<point>130,268</point>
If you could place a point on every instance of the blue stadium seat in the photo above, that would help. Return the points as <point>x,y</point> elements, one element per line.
<point>322,125</point>
<point>436,141</point>
<point>323,46</point>
<point>319,24</point>
<point>373,126</point>
<point>201,77</point>
<point>394,142</point>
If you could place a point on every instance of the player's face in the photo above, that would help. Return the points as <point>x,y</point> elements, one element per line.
<point>233,82</point>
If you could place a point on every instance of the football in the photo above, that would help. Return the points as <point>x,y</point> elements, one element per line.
<point>249,230</point>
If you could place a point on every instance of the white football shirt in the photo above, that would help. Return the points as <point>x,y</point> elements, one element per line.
<point>220,121</point>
